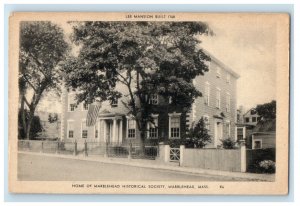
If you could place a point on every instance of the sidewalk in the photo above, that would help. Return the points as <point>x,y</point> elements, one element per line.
<point>154,164</point>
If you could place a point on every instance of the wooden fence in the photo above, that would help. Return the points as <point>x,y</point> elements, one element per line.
<point>216,159</point>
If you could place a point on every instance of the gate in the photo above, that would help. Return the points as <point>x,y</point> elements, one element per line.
<point>174,154</point>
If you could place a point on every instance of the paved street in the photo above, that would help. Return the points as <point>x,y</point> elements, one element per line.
<point>43,168</point>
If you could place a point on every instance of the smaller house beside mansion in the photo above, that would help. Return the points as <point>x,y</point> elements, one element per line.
<point>217,106</point>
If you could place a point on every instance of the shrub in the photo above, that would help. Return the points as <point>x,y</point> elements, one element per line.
<point>228,143</point>
<point>267,166</point>
<point>197,136</point>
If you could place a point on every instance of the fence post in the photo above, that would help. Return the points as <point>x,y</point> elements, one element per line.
<point>75,148</point>
<point>42,149</point>
<point>243,156</point>
<point>85,148</point>
<point>130,151</point>
<point>182,147</point>
<point>167,153</point>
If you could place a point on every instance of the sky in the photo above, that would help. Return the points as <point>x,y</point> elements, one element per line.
<point>247,47</point>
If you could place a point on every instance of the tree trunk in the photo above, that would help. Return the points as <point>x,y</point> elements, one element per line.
<point>29,123</point>
<point>28,128</point>
<point>23,116</point>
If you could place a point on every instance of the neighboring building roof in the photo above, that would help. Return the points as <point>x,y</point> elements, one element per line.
<point>250,111</point>
<point>265,126</point>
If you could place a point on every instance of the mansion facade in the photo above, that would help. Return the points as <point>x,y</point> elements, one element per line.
<point>217,106</point>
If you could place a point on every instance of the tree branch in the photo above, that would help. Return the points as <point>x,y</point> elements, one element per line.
<point>27,80</point>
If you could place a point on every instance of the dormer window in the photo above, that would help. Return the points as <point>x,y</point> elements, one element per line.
<point>114,103</point>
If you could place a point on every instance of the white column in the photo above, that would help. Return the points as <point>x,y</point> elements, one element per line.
<point>104,130</point>
<point>182,147</point>
<point>121,131</point>
<point>167,153</point>
<point>114,131</point>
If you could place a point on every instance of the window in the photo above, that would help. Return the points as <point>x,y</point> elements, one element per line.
<point>72,107</point>
<point>153,129</point>
<point>174,128</point>
<point>84,131</point>
<point>85,106</point>
<point>218,98</point>
<point>252,111</point>
<point>227,102</point>
<point>206,121</point>
<point>114,102</point>
<point>228,78</point>
<point>253,119</point>
<point>71,102</point>
<point>257,144</point>
<point>247,119</point>
<point>206,93</point>
<point>218,72</point>
<point>154,99</point>
<point>227,127</point>
<point>70,129</point>
<point>131,128</point>
<point>96,132</point>
<point>240,132</point>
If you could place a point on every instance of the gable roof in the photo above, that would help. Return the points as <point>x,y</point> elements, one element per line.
<point>221,64</point>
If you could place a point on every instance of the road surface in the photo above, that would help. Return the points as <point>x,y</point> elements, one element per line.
<point>44,168</point>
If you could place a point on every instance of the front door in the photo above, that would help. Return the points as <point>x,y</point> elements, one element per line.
<point>218,132</point>
<point>108,131</point>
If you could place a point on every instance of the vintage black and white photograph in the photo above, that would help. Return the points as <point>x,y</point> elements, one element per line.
<point>158,103</point>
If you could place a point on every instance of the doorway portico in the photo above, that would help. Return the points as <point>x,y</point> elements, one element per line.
<point>112,128</point>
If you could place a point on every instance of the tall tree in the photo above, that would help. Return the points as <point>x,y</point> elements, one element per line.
<point>148,58</point>
<point>42,48</point>
<point>267,111</point>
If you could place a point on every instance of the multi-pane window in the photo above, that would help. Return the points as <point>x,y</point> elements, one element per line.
<point>228,78</point>
<point>71,102</point>
<point>154,99</point>
<point>253,119</point>
<point>84,130</point>
<point>247,119</point>
<point>257,144</point>
<point>218,98</point>
<point>153,129</point>
<point>114,103</point>
<point>240,133</point>
<point>96,132</point>
<point>227,102</point>
<point>85,106</point>
<point>131,128</point>
<point>206,93</point>
<point>227,127</point>
<point>175,127</point>
<point>70,129</point>
<point>72,107</point>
